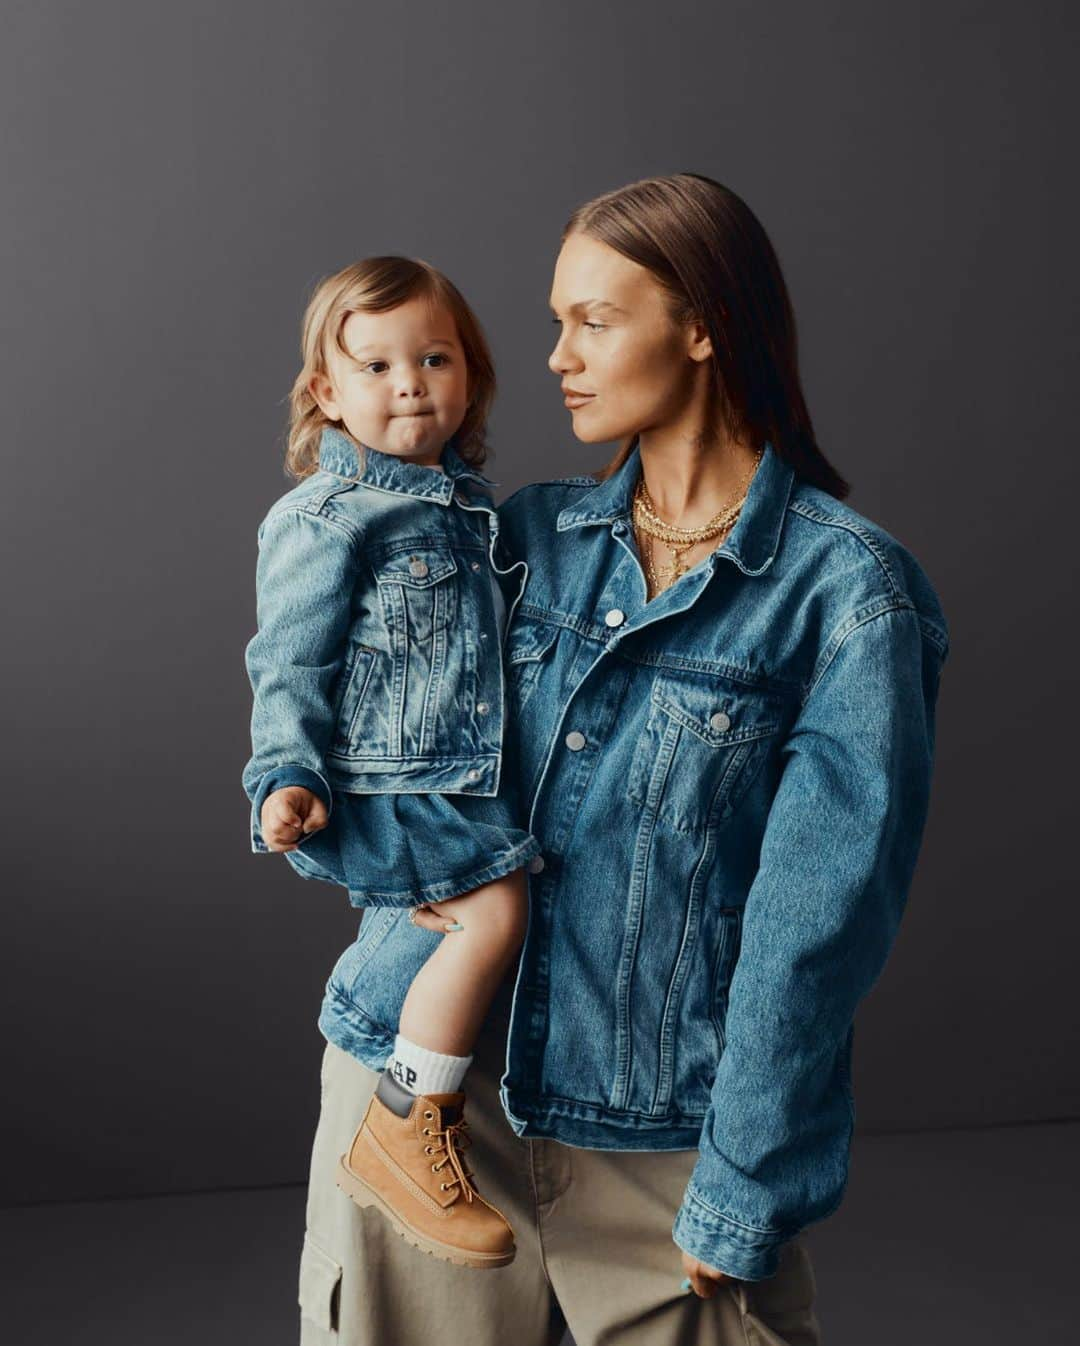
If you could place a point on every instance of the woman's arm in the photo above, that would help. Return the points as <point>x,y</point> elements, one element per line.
<point>837,858</point>
<point>304,583</point>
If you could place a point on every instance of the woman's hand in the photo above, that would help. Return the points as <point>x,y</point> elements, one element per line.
<point>442,917</point>
<point>703,1279</point>
<point>289,814</point>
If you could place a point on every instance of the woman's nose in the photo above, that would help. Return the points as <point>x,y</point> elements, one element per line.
<point>562,359</point>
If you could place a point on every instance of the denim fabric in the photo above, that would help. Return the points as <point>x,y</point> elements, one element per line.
<point>729,785</point>
<point>376,667</point>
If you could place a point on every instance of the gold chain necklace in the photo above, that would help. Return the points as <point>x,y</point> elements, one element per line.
<point>648,523</point>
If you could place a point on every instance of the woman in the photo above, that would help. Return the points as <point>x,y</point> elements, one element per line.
<point>723,684</point>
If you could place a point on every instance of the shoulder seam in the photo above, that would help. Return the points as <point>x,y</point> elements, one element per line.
<point>316,510</point>
<point>850,526</point>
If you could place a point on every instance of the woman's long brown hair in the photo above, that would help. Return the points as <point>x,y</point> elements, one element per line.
<point>714,260</point>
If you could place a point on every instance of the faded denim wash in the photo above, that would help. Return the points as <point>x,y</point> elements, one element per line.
<point>729,785</point>
<point>376,667</point>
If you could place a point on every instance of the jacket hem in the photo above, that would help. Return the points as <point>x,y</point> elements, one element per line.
<point>586,1126</point>
<point>456,886</point>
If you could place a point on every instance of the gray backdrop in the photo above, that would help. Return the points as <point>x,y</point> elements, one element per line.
<point>175,178</point>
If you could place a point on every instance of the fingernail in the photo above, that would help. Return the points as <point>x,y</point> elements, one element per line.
<point>453,925</point>
<point>686,1284</point>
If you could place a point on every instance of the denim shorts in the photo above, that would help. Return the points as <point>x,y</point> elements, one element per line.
<point>400,850</point>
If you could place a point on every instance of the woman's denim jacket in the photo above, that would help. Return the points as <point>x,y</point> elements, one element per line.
<point>729,785</point>
<point>375,668</point>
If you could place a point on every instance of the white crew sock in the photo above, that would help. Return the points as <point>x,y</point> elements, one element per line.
<point>426,1072</point>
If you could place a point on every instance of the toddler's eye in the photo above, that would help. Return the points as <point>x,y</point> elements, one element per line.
<point>375,366</point>
<point>436,355</point>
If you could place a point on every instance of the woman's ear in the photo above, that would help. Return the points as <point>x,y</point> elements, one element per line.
<point>700,343</point>
<point>322,390</point>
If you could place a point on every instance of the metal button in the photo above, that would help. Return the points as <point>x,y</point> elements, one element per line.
<point>615,617</point>
<point>473,774</point>
<point>720,721</point>
<point>536,864</point>
<point>483,635</point>
<point>482,708</point>
<point>417,567</point>
<point>476,565</point>
<point>575,741</point>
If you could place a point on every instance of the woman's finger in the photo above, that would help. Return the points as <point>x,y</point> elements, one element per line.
<point>427,919</point>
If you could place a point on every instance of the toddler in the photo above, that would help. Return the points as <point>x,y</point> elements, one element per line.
<point>378,719</point>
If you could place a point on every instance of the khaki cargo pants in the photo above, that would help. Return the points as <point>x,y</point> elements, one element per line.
<point>593,1235</point>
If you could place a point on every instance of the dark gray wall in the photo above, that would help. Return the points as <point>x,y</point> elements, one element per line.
<point>175,177</point>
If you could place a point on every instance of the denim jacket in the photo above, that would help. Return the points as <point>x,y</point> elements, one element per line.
<point>376,665</point>
<point>729,785</point>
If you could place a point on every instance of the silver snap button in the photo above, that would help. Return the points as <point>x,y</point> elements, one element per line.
<point>615,617</point>
<point>476,565</point>
<point>418,567</point>
<point>482,708</point>
<point>575,741</point>
<point>483,635</point>
<point>719,721</point>
<point>473,774</point>
<point>536,864</point>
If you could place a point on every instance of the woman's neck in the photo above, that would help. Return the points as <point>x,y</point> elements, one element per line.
<point>689,480</point>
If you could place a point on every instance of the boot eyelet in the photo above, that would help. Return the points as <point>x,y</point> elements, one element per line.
<point>429,1149</point>
<point>428,1116</point>
<point>426,1131</point>
<point>443,1186</point>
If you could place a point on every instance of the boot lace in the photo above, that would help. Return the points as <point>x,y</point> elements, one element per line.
<point>449,1142</point>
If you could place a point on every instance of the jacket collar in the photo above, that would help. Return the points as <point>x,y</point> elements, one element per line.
<point>751,544</point>
<point>387,472</point>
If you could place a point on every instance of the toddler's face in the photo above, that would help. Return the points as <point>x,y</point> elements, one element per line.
<point>405,391</point>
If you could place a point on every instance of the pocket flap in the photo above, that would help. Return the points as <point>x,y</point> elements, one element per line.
<point>418,568</point>
<point>719,713</point>
<point>320,1277</point>
<point>529,640</point>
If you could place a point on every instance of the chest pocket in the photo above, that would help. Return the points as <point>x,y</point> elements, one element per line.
<point>418,592</point>
<point>527,648</point>
<point>705,740</point>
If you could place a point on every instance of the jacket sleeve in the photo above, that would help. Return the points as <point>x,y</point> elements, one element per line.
<point>304,584</point>
<point>837,858</point>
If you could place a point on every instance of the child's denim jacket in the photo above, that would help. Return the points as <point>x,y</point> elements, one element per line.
<point>376,667</point>
<point>729,786</point>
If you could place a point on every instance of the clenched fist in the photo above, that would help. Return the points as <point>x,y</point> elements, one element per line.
<point>289,814</point>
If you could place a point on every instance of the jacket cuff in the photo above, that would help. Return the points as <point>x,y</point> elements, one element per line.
<point>278,778</point>
<point>721,1242</point>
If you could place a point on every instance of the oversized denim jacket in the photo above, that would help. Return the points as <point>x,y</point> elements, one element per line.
<point>730,785</point>
<point>376,666</point>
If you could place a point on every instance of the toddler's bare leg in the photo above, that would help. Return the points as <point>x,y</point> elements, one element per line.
<point>452,992</point>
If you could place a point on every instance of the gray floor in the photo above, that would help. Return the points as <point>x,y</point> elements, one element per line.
<point>944,1239</point>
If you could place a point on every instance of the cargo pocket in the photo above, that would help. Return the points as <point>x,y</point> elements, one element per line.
<point>320,1286</point>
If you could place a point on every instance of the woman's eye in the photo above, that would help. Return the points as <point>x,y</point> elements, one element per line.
<point>557,322</point>
<point>594,326</point>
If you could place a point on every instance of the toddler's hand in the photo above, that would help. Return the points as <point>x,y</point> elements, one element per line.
<point>289,814</point>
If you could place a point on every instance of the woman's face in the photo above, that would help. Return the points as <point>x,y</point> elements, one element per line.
<point>627,368</point>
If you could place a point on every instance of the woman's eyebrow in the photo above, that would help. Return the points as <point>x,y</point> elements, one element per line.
<point>597,305</point>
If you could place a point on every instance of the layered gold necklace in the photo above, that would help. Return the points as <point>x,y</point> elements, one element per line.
<point>649,524</point>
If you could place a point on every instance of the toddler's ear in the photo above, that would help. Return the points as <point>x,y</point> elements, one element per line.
<point>322,390</point>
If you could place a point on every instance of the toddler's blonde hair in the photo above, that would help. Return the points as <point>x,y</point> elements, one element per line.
<point>376,285</point>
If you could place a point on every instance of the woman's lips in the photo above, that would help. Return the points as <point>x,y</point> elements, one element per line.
<point>575,400</point>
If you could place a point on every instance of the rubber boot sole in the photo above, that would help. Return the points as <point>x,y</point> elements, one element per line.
<point>357,1190</point>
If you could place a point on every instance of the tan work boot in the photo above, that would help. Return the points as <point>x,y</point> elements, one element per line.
<point>405,1160</point>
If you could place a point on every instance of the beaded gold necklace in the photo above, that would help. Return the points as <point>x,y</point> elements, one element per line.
<point>648,523</point>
